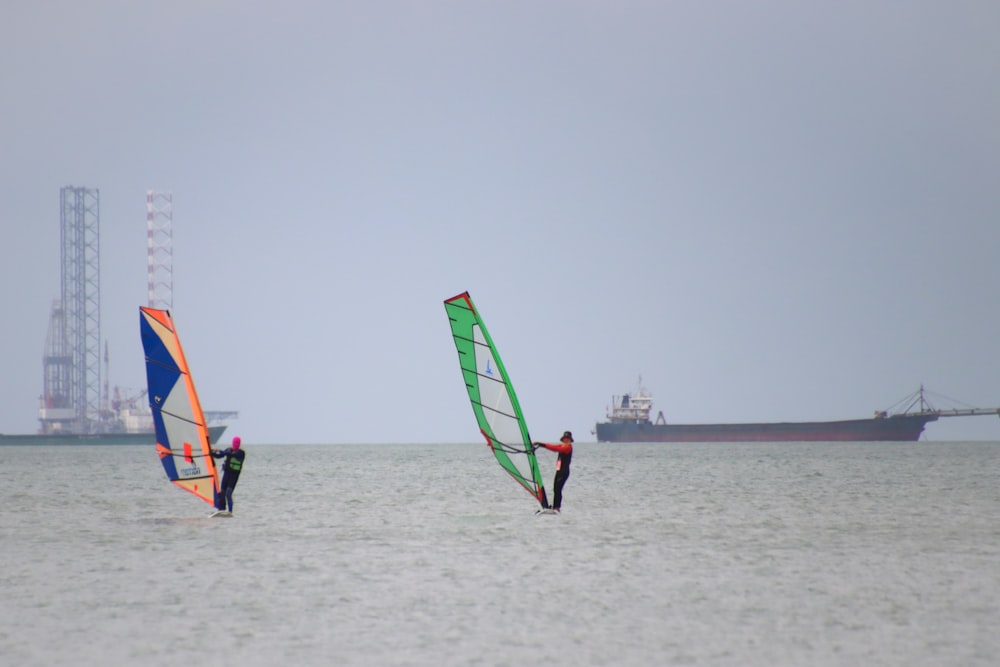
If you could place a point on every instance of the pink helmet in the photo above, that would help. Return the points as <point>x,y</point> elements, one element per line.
<point>236,442</point>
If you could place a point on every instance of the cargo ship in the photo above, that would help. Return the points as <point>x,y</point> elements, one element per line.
<point>628,421</point>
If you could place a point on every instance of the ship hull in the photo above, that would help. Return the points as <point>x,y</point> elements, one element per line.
<point>214,433</point>
<point>897,428</point>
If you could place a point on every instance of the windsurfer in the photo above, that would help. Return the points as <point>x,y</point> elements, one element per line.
<point>231,467</point>
<point>565,451</point>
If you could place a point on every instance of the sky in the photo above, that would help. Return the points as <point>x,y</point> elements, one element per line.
<point>767,210</point>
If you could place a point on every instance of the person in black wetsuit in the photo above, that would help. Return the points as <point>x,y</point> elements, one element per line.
<point>565,451</point>
<point>231,473</point>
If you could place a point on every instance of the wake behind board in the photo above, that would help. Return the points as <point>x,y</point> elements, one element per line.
<point>222,514</point>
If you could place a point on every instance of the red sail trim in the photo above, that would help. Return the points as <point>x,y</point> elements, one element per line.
<point>532,487</point>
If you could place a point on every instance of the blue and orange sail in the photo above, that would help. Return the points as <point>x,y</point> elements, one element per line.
<point>182,439</point>
<point>492,395</point>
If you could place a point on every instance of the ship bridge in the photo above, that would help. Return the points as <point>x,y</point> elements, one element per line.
<point>631,408</point>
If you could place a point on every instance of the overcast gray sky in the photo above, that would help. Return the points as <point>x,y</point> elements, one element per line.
<point>770,210</point>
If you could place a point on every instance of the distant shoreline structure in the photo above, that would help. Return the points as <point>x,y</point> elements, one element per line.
<point>142,438</point>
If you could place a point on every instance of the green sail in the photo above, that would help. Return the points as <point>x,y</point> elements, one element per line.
<point>492,395</point>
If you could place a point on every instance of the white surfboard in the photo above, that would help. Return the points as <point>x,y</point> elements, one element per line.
<point>221,514</point>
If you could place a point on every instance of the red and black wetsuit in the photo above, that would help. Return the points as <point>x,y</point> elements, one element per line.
<point>565,451</point>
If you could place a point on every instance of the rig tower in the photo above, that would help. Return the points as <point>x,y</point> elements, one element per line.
<point>160,248</point>
<point>72,361</point>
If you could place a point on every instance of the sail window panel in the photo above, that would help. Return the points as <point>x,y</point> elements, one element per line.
<point>178,403</point>
<point>498,409</point>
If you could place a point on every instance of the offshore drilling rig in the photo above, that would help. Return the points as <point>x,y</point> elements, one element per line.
<point>76,400</point>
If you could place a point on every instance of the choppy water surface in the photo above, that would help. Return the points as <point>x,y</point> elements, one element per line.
<point>757,554</point>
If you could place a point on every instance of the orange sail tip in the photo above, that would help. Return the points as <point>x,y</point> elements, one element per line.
<point>161,316</point>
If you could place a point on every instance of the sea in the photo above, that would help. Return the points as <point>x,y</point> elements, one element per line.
<point>747,555</point>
